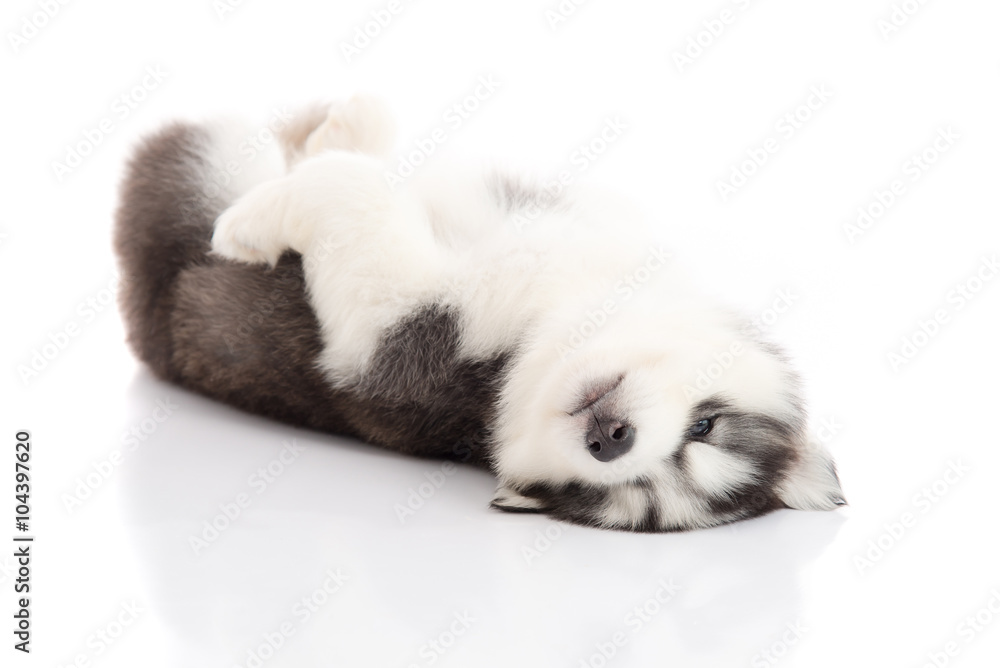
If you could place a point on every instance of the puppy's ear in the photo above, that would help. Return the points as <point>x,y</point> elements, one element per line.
<point>812,483</point>
<point>512,501</point>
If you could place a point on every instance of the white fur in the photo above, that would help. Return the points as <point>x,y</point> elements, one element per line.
<point>717,471</point>
<point>372,254</point>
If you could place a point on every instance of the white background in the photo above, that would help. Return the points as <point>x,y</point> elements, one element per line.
<point>535,601</point>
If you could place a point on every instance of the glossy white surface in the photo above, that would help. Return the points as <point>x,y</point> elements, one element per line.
<point>499,589</point>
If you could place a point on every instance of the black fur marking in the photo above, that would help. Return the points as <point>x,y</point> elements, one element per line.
<point>514,194</point>
<point>580,503</point>
<point>763,441</point>
<point>247,335</point>
<point>584,504</point>
<point>709,407</point>
<point>419,356</point>
<point>574,502</point>
<point>426,388</point>
<point>652,520</point>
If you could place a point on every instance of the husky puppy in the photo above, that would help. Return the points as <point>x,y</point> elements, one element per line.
<point>457,314</point>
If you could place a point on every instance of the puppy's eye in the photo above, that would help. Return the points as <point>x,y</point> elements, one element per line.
<point>702,427</point>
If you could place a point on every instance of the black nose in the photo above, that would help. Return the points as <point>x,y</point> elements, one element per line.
<point>609,439</point>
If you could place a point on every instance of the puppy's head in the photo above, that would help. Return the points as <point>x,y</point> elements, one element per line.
<point>663,419</point>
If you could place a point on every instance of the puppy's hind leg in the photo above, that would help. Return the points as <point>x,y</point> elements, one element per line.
<point>363,124</point>
<point>256,228</point>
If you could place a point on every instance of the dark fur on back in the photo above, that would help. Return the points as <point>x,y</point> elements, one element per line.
<point>246,335</point>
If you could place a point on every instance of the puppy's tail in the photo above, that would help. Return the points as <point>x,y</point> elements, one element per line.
<point>177,183</point>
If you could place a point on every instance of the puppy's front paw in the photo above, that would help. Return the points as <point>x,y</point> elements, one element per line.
<point>246,234</point>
